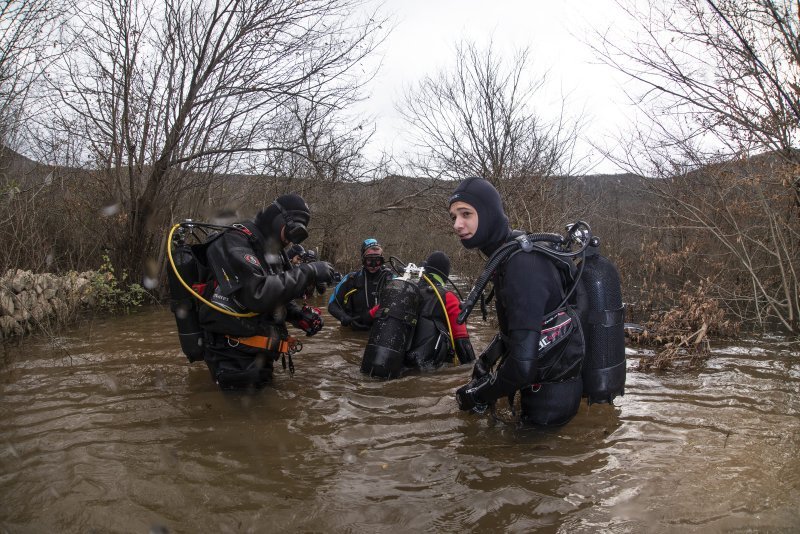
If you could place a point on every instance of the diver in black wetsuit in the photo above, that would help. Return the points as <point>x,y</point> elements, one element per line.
<point>437,335</point>
<point>527,286</point>
<point>357,293</point>
<point>249,274</point>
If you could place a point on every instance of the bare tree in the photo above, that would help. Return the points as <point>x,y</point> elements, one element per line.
<point>25,30</point>
<point>165,95</point>
<point>722,84</point>
<point>478,120</point>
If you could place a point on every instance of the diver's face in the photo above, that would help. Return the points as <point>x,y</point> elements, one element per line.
<point>373,262</point>
<point>465,219</point>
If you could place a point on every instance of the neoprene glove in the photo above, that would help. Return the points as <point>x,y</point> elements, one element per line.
<point>356,324</point>
<point>365,318</point>
<point>467,399</point>
<point>323,271</point>
<point>464,351</point>
<point>346,320</point>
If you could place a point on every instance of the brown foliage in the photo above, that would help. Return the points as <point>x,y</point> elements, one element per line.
<point>682,333</point>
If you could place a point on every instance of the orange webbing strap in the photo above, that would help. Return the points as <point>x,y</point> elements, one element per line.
<point>261,342</point>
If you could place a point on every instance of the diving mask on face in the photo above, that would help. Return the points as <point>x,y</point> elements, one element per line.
<point>296,231</point>
<point>373,261</point>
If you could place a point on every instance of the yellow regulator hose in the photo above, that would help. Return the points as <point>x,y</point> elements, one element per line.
<point>195,293</point>
<point>446,317</point>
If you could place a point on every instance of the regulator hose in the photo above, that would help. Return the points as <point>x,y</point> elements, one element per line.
<point>186,286</point>
<point>446,317</point>
<point>496,259</point>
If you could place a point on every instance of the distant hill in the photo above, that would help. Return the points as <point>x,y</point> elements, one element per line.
<point>15,165</point>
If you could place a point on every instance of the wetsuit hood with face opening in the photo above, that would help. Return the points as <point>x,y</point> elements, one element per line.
<point>493,229</point>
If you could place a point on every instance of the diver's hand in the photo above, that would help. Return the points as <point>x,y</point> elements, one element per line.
<point>310,321</point>
<point>356,324</point>
<point>467,399</point>
<point>365,318</point>
<point>322,271</point>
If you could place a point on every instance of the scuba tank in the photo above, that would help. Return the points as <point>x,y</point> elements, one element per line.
<point>182,303</point>
<point>603,318</point>
<point>393,330</point>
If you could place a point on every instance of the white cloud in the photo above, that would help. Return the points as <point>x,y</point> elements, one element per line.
<point>426,32</point>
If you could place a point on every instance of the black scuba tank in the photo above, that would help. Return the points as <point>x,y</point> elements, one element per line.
<point>599,295</point>
<point>183,304</point>
<point>393,330</point>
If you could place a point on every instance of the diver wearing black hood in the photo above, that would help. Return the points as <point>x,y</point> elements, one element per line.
<point>527,287</point>
<point>252,276</point>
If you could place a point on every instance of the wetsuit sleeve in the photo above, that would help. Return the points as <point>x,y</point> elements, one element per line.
<point>530,287</point>
<point>336,305</point>
<point>517,370</point>
<point>293,311</point>
<point>239,270</point>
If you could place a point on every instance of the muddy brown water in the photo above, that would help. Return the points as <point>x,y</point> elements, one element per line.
<point>107,428</point>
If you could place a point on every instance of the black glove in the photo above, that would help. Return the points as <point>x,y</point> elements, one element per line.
<point>479,370</point>
<point>323,271</point>
<point>467,398</point>
<point>346,320</point>
<point>310,321</point>
<point>464,351</point>
<point>365,318</point>
<point>356,324</point>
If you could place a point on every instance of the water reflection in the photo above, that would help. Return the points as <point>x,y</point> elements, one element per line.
<point>116,432</point>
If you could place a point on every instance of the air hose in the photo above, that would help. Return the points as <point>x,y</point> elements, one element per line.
<point>446,317</point>
<point>186,286</point>
<point>527,243</point>
<point>494,260</point>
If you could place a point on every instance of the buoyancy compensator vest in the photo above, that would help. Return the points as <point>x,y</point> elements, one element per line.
<point>593,288</point>
<point>393,329</point>
<point>190,281</point>
<point>431,345</point>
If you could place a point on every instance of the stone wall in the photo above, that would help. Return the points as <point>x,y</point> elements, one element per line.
<point>29,301</point>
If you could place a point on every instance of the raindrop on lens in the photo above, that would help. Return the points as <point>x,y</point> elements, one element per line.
<point>149,283</point>
<point>112,209</point>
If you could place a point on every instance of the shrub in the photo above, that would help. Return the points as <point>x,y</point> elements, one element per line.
<point>112,294</point>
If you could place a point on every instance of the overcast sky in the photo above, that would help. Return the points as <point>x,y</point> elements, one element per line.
<point>426,31</point>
